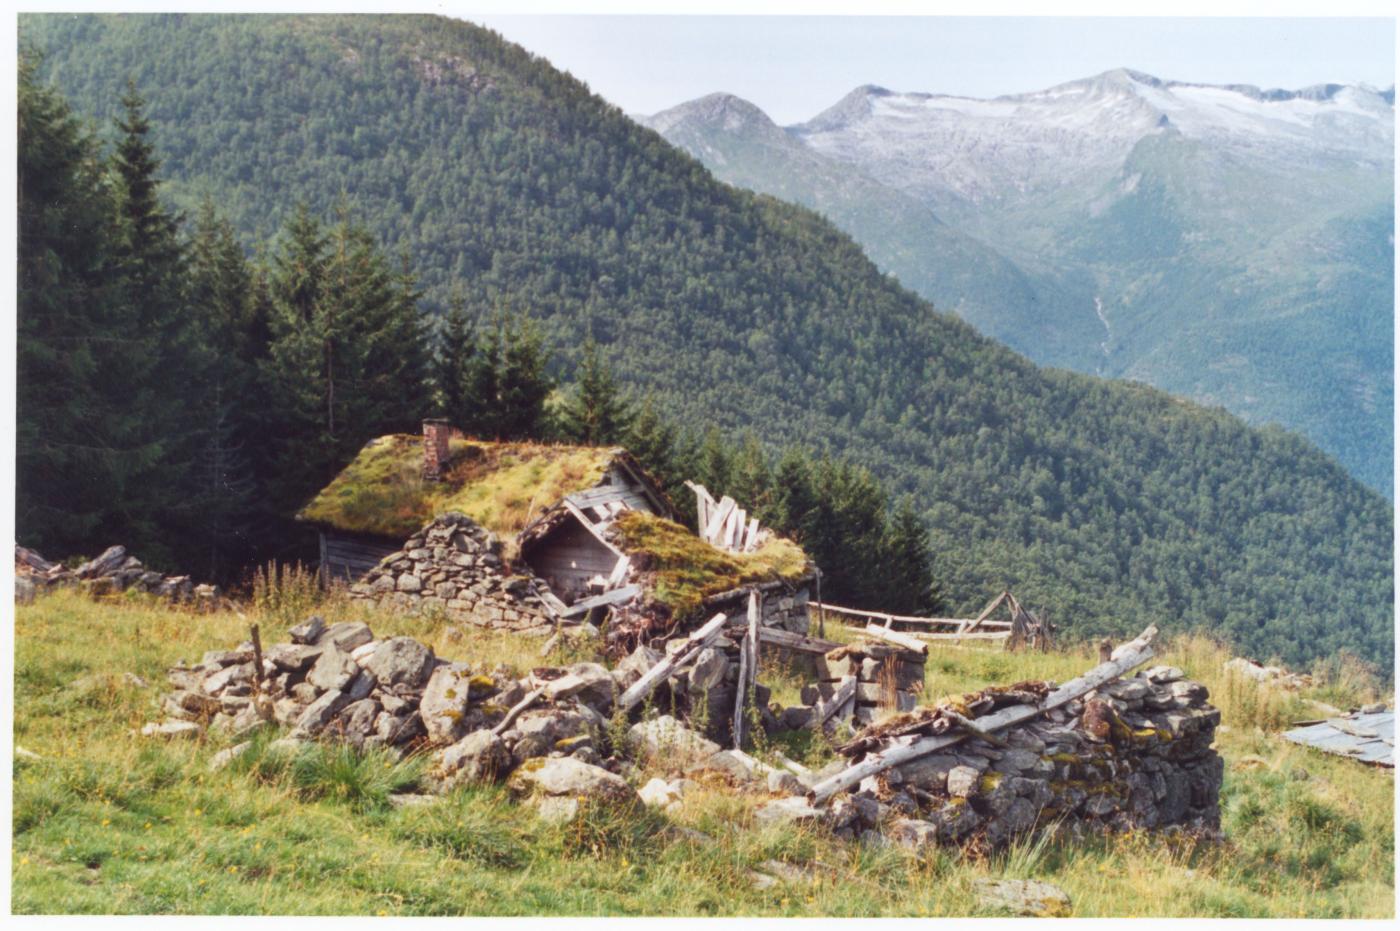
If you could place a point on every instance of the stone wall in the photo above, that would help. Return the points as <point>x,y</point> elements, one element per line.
<point>111,573</point>
<point>783,605</point>
<point>453,566</point>
<point>1135,755</point>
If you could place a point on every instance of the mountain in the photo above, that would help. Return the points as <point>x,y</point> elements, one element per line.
<point>1228,244</point>
<point>1110,504</point>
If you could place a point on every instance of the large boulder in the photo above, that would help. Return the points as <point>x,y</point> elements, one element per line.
<point>481,756</point>
<point>444,702</point>
<point>401,661</point>
<point>591,683</point>
<point>560,785</point>
<point>668,740</point>
<point>332,670</point>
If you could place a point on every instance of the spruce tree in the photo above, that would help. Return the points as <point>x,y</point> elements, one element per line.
<point>453,363</point>
<point>66,467</point>
<point>524,383</point>
<point>595,413</point>
<point>907,565</point>
<point>223,301</point>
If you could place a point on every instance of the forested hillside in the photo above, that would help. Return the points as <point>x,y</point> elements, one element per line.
<point>1107,504</point>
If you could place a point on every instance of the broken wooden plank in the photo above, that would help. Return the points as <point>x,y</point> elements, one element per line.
<point>898,638</point>
<point>823,710</point>
<point>956,636</point>
<point>616,596</point>
<point>986,612</point>
<point>1129,655</point>
<point>751,538</point>
<point>519,706</point>
<point>552,602</point>
<point>619,573</point>
<point>717,519</point>
<point>591,527</point>
<point>788,640</point>
<point>654,676</point>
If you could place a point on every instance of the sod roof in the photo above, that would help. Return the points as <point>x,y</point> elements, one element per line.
<point>501,486</point>
<point>683,570</point>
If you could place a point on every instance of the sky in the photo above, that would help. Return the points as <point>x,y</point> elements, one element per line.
<point>793,67</point>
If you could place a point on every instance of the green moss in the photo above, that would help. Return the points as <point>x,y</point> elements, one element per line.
<point>686,570</point>
<point>481,684</point>
<point>989,782</point>
<point>499,485</point>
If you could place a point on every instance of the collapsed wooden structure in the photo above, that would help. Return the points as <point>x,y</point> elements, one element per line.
<point>1020,630</point>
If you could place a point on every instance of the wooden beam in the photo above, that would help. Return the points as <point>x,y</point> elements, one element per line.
<point>986,612</point>
<point>748,670</point>
<point>1129,655</point>
<point>588,525</point>
<point>607,598</point>
<point>787,640</point>
<point>619,572</point>
<point>654,676</point>
<point>908,642</point>
<point>751,538</point>
<point>956,636</point>
<point>899,618</point>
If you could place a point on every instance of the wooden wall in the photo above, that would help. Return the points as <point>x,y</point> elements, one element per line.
<point>347,557</point>
<point>568,558</point>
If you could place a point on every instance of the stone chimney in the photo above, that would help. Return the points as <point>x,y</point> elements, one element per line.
<point>436,432</point>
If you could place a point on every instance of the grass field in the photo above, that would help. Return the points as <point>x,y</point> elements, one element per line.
<point>108,822</point>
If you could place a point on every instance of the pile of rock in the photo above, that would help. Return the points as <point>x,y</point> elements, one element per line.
<point>885,678</point>
<point>1269,675</point>
<point>1135,754</point>
<point>112,572</point>
<point>453,566</point>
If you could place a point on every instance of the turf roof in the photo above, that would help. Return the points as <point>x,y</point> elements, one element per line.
<point>499,485</point>
<point>684,570</point>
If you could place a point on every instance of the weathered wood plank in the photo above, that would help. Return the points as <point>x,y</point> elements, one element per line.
<point>607,598</point>
<point>1129,655</point>
<point>845,694</point>
<point>653,677</point>
<point>717,519</point>
<point>588,525</point>
<point>986,612</point>
<point>748,670</point>
<point>898,638</point>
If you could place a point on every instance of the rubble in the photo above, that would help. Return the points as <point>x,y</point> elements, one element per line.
<point>111,573</point>
<point>1269,675</point>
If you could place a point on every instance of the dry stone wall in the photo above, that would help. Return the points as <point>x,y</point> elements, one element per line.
<point>1136,754</point>
<point>453,566</point>
<point>111,573</point>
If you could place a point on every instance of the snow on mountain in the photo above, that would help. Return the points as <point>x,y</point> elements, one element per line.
<point>934,144</point>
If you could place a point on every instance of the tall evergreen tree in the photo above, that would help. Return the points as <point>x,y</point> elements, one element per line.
<point>347,360</point>
<point>159,367</point>
<point>906,564</point>
<point>524,383</point>
<point>595,413</point>
<point>453,363</point>
<point>67,464</point>
<point>224,302</point>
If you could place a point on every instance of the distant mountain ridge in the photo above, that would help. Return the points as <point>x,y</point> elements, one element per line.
<point>1224,242</point>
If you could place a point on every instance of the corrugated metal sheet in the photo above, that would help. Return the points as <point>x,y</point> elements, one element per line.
<point>1369,738</point>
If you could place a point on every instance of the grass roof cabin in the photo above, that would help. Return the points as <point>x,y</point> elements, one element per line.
<point>587,521</point>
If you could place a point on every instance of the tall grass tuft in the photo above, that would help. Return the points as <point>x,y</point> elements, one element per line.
<point>285,594</point>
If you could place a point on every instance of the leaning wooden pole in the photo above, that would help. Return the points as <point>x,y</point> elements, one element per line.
<point>658,673</point>
<point>1131,654</point>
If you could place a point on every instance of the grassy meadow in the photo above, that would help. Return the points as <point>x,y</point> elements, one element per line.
<point>106,821</point>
